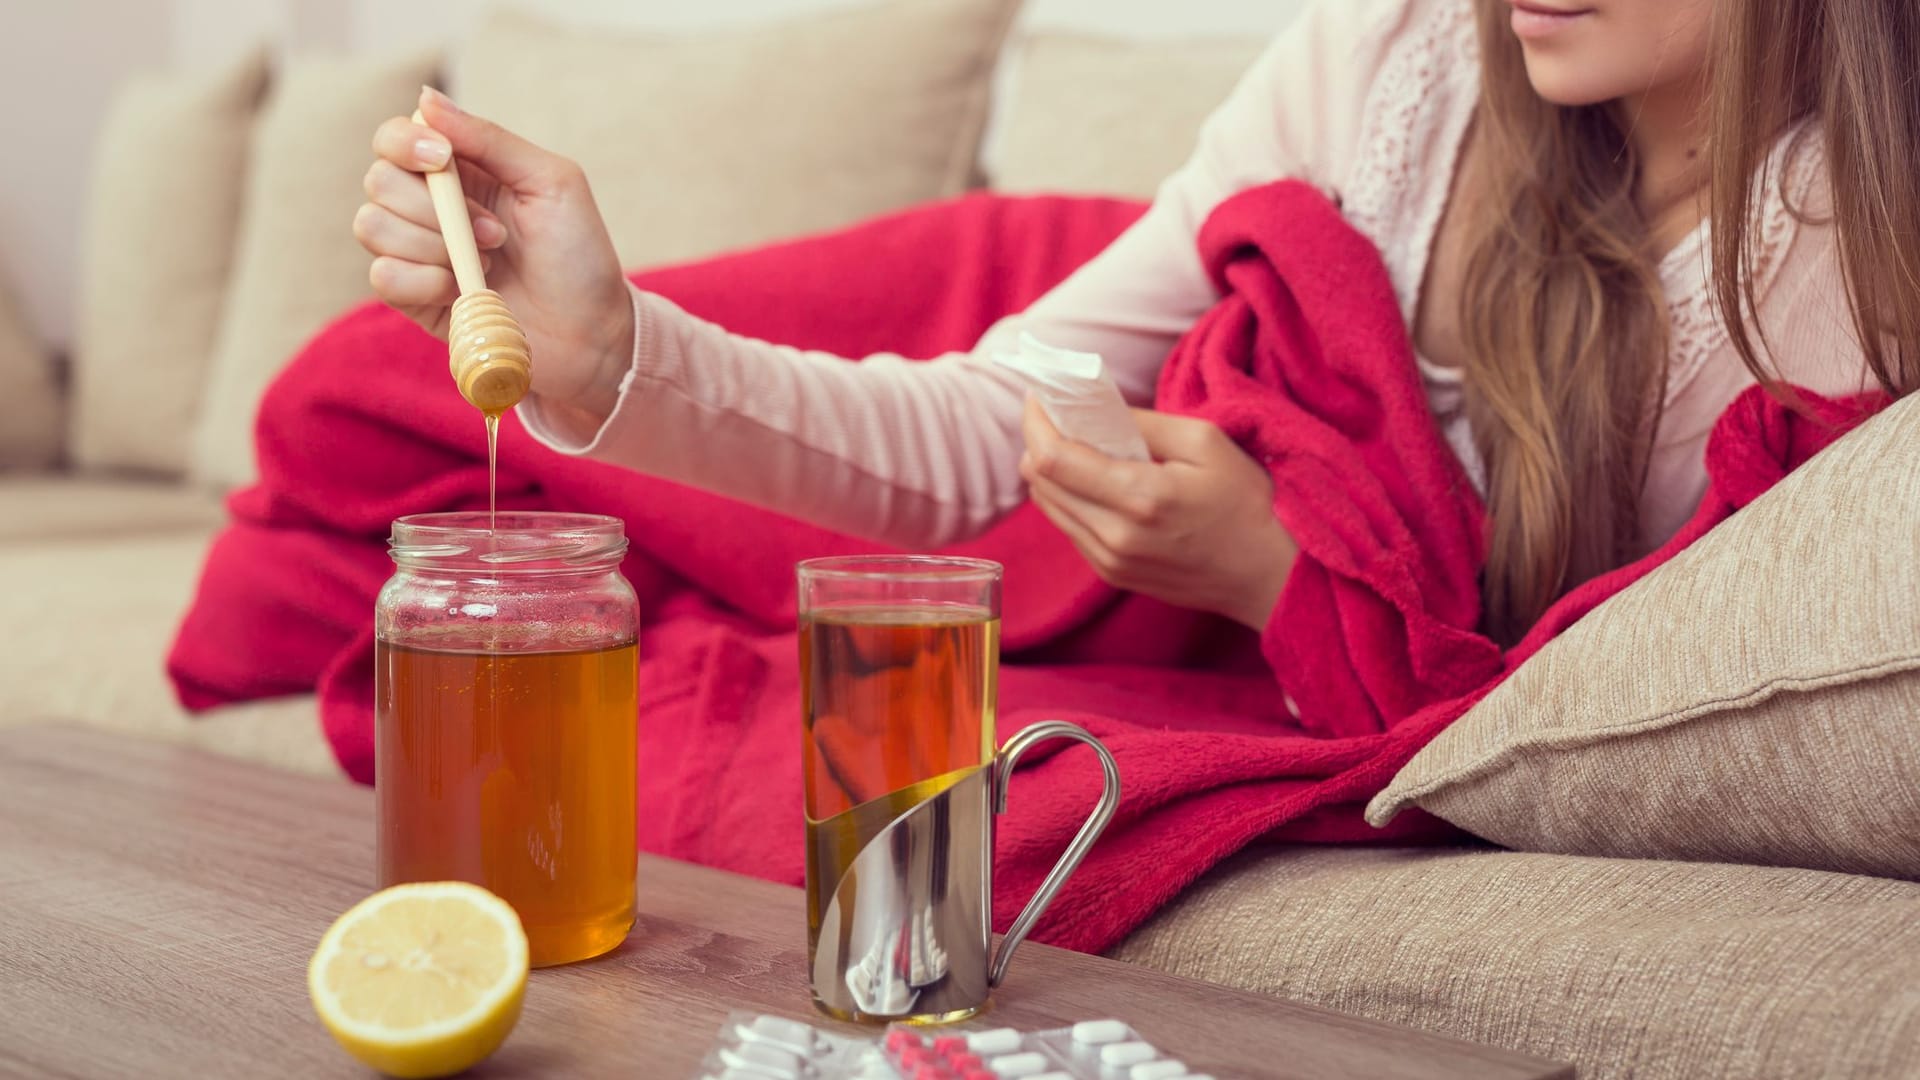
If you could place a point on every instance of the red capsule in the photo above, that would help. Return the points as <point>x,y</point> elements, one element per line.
<point>900,1039</point>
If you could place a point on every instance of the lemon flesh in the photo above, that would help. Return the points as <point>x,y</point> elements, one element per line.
<point>421,980</point>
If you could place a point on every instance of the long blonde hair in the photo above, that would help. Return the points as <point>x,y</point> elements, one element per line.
<point>1562,312</point>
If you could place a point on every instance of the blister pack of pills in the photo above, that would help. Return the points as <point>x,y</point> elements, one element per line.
<point>775,1048</point>
<point>1089,1050</point>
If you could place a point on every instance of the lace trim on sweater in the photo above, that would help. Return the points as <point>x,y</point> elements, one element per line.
<point>1694,326</point>
<point>1417,112</point>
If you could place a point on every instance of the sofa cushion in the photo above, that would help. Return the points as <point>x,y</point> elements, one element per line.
<point>298,264</point>
<point>1626,968</point>
<point>282,732</point>
<point>41,508</point>
<point>161,219</point>
<point>1755,700</point>
<point>101,613</point>
<point>92,620</point>
<point>30,407</point>
<point>1087,114</point>
<point>728,137</point>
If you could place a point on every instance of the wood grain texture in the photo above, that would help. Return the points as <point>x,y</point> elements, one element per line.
<point>158,905</point>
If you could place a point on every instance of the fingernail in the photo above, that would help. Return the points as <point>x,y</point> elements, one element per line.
<point>488,231</point>
<point>440,99</point>
<point>432,152</point>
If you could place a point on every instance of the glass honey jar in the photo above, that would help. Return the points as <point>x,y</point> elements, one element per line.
<point>505,711</point>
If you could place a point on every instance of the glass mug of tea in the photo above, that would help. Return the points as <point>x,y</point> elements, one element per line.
<point>899,664</point>
<point>505,674</point>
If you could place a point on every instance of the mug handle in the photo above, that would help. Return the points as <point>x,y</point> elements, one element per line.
<point>1083,840</point>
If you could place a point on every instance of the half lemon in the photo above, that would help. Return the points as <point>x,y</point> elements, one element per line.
<point>421,980</point>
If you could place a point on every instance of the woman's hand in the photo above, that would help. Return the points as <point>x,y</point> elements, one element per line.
<point>544,246</point>
<point>1194,528</point>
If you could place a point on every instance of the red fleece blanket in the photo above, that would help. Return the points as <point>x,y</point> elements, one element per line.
<point>1306,363</point>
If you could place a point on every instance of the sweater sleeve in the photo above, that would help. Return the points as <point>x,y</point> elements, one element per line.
<point>921,454</point>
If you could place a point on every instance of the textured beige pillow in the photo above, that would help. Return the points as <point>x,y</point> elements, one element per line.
<point>298,264</point>
<point>1107,116</point>
<point>154,264</point>
<point>1755,700</point>
<point>30,407</point>
<point>700,142</point>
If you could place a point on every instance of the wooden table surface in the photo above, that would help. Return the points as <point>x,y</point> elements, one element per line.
<point>158,905</point>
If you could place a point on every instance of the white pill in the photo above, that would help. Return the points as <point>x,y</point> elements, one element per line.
<point>1099,1032</point>
<point>1127,1053</point>
<point>1052,1076</point>
<point>780,1031</point>
<point>1013,1065</point>
<point>1158,1070</point>
<point>779,1027</point>
<point>997,1041</point>
<point>763,1058</point>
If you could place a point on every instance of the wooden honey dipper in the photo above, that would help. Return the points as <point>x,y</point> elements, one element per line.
<point>486,349</point>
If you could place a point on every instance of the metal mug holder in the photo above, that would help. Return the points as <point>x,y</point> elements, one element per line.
<point>907,930</point>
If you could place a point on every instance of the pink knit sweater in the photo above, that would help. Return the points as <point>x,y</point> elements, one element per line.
<point>1370,101</point>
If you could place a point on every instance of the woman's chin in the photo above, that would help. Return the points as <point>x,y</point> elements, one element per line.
<point>1564,84</point>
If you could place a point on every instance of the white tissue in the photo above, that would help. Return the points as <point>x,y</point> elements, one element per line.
<point>1079,396</point>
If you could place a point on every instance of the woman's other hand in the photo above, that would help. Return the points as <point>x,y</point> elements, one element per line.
<point>541,239</point>
<point>1194,528</point>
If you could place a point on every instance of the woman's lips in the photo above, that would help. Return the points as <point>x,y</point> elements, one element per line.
<point>1533,21</point>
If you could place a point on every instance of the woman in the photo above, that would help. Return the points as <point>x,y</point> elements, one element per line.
<point>1538,175</point>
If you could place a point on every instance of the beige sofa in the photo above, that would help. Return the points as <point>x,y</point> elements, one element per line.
<point>1641,967</point>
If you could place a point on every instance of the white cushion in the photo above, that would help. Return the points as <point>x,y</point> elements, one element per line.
<point>161,221</point>
<point>298,264</point>
<point>697,142</point>
<point>1102,115</point>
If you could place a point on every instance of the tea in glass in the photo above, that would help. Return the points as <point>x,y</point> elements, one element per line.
<point>899,671</point>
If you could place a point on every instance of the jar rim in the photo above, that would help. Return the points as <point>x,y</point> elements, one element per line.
<point>513,540</point>
<point>900,568</point>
